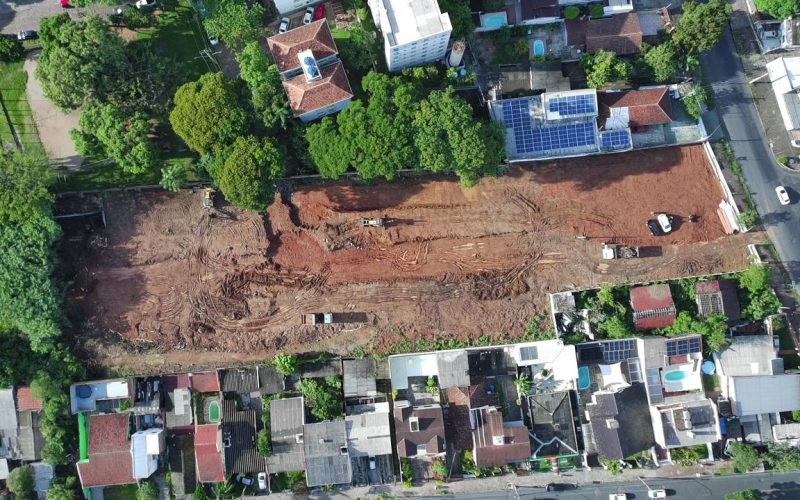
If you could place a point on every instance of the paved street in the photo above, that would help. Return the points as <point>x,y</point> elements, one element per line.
<point>19,15</point>
<point>741,122</point>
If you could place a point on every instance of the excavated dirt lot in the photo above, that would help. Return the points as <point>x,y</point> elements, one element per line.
<point>186,287</point>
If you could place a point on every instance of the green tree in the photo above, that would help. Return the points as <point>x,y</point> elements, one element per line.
<point>78,59</point>
<point>688,456</point>
<point>150,82</point>
<point>460,18</point>
<point>264,81</point>
<point>694,101</point>
<point>614,467</point>
<point>571,12</point>
<point>286,364</point>
<point>748,218</point>
<point>11,50</point>
<point>331,153</point>
<point>20,483</point>
<point>173,177</point>
<point>782,458</point>
<point>360,49</point>
<point>263,443</point>
<point>755,278</point>
<point>63,489</point>
<point>200,493</point>
<point>779,9</point>
<point>661,60</point>
<point>604,67</point>
<point>208,112</point>
<point>743,495</point>
<point>146,491</point>
<point>250,169</point>
<point>616,328</point>
<point>135,19</point>
<point>24,182</point>
<point>223,490</point>
<point>125,139</point>
<point>523,385</point>
<point>701,25</point>
<point>234,23</point>
<point>713,329</point>
<point>406,470</point>
<point>745,457</point>
<point>761,300</point>
<point>439,470</point>
<point>451,140</point>
<point>323,398</point>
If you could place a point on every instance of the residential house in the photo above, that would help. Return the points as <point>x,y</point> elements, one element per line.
<point>100,395</point>
<point>327,459</point>
<point>313,77</point>
<point>539,11</point>
<point>287,417</point>
<point>178,411</point>
<point>205,382</point>
<point>182,466</point>
<point>415,32</point>
<point>634,109</point>
<point>497,443</point>
<point>208,453</point>
<point>146,396</point>
<point>419,430</point>
<point>239,440</point>
<point>108,459</point>
<point>368,430</point>
<point>146,448</point>
<point>652,306</point>
<point>540,76</point>
<point>754,387</point>
<point>20,436</point>
<point>243,381</point>
<point>359,378</point>
<point>270,381</point>
<point>784,73</point>
<point>787,434</point>
<point>552,424</point>
<point>620,34</point>
<point>775,34</point>
<point>717,297</point>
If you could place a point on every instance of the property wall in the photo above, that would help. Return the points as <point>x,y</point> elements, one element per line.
<point>728,206</point>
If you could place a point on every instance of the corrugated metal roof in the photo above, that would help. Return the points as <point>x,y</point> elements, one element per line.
<point>327,458</point>
<point>359,377</point>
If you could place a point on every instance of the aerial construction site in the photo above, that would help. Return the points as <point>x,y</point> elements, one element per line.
<point>183,284</point>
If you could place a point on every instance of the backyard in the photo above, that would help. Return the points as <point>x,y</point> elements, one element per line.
<point>17,111</point>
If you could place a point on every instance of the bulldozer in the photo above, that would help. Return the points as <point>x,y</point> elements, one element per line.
<point>208,199</point>
<point>373,222</point>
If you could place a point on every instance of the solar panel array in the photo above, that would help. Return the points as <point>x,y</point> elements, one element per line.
<point>635,370</point>
<point>618,350</point>
<point>572,105</point>
<point>683,346</point>
<point>516,114</point>
<point>615,140</point>
<point>654,385</point>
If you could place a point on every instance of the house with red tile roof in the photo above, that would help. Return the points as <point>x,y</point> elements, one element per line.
<point>27,401</point>
<point>497,443</point>
<point>205,381</point>
<point>208,453</point>
<point>620,34</point>
<point>315,81</point>
<point>653,307</point>
<point>109,452</point>
<point>637,109</point>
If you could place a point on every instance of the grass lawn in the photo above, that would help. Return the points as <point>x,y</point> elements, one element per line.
<point>13,80</point>
<point>120,492</point>
<point>790,361</point>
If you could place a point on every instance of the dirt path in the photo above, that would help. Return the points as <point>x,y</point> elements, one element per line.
<point>170,279</point>
<point>52,123</point>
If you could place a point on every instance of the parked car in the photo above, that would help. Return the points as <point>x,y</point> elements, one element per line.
<point>654,228</point>
<point>144,4</point>
<point>618,496</point>
<point>27,35</point>
<point>656,493</point>
<point>561,487</point>
<point>372,463</point>
<point>247,481</point>
<point>665,221</point>
<point>308,15</point>
<point>262,481</point>
<point>783,196</point>
<point>319,12</point>
<point>214,41</point>
<point>284,27</point>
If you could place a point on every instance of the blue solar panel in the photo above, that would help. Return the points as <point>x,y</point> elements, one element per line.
<point>684,346</point>
<point>572,105</point>
<point>516,115</point>
<point>612,140</point>
<point>619,350</point>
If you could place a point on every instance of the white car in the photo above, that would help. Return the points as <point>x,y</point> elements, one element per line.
<point>372,463</point>
<point>783,196</point>
<point>665,222</point>
<point>308,16</point>
<point>214,41</point>
<point>656,494</point>
<point>141,4</point>
<point>262,481</point>
<point>284,27</point>
<point>618,496</point>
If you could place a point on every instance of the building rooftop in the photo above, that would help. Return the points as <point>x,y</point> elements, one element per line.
<point>405,21</point>
<point>109,452</point>
<point>496,442</point>
<point>418,430</point>
<point>239,380</point>
<point>746,355</point>
<point>207,381</point>
<point>270,381</point>
<point>753,395</point>
<point>26,400</point>
<point>453,368</point>
<point>545,75</point>
<point>551,421</point>
<point>690,424</point>
<point>717,297</point>
<point>359,378</point>
<point>8,410</point>
<point>29,436</point>
<point>620,34</point>
<point>208,453</point>
<point>652,306</point>
<point>460,401</point>
<point>620,422</point>
<point>534,9</point>
<point>287,417</point>
<point>85,396</point>
<point>178,406</point>
<point>787,433</point>
<point>327,458</point>
<point>369,433</point>
<point>784,73</point>
<point>316,37</point>
<point>634,108</point>
<point>239,436</point>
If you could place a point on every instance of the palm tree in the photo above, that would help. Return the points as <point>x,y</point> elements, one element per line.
<point>224,489</point>
<point>172,177</point>
<point>523,387</point>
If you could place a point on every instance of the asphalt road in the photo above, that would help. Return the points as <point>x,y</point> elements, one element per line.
<point>773,486</point>
<point>21,15</point>
<point>746,134</point>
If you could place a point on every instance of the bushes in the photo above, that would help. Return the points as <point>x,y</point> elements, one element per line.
<point>323,397</point>
<point>286,364</point>
<point>759,298</point>
<point>604,67</point>
<point>11,50</point>
<point>745,457</point>
<point>596,10</point>
<point>695,100</point>
<point>20,483</point>
<point>571,12</point>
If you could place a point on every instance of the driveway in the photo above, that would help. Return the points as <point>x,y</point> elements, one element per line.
<point>19,15</point>
<point>746,134</point>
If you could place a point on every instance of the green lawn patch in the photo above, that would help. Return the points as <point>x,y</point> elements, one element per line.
<point>13,80</point>
<point>120,492</point>
<point>104,175</point>
<point>710,383</point>
<point>790,361</point>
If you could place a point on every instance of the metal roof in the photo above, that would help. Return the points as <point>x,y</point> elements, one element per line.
<point>286,429</point>
<point>359,377</point>
<point>747,355</point>
<point>239,436</point>
<point>753,395</point>
<point>327,458</point>
<point>369,434</point>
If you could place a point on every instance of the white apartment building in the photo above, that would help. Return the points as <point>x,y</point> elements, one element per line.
<point>415,32</point>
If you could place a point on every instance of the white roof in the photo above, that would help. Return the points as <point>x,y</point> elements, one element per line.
<point>746,355</point>
<point>369,434</point>
<point>412,365</point>
<point>754,395</point>
<point>553,354</point>
<point>784,73</point>
<point>144,464</point>
<point>410,20</point>
<point>42,477</point>
<point>8,410</point>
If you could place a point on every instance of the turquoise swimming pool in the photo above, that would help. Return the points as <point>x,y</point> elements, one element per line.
<point>676,375</point>
<point>583,378</point>
<point>494,19</point>
<point>538,47</point>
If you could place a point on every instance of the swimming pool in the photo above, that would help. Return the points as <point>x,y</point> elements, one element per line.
<point>583,378</point>
<point>213,412</point>
<point>538,47</point>
<point>494,20</point>
<point>675,375</point>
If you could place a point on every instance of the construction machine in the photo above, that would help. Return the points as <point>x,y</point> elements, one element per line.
<point>373,222</point>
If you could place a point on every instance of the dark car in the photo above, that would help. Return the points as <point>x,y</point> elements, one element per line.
<point>561,486</point>
<point>27,35</point>
<point>654,227</point>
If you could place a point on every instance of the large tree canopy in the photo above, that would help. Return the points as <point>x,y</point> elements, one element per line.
<point>460,17</point>
<point>779,9</point>
<point>264,81</point>
<point>208,112</point>
<point>234,23</point>
<point>78,59</point>
<point>329,150</point>
<point>661,60</point>
<point>251,167</point>
<point>604,67</point>
<point>24,179</point>
<point>702,24</point>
